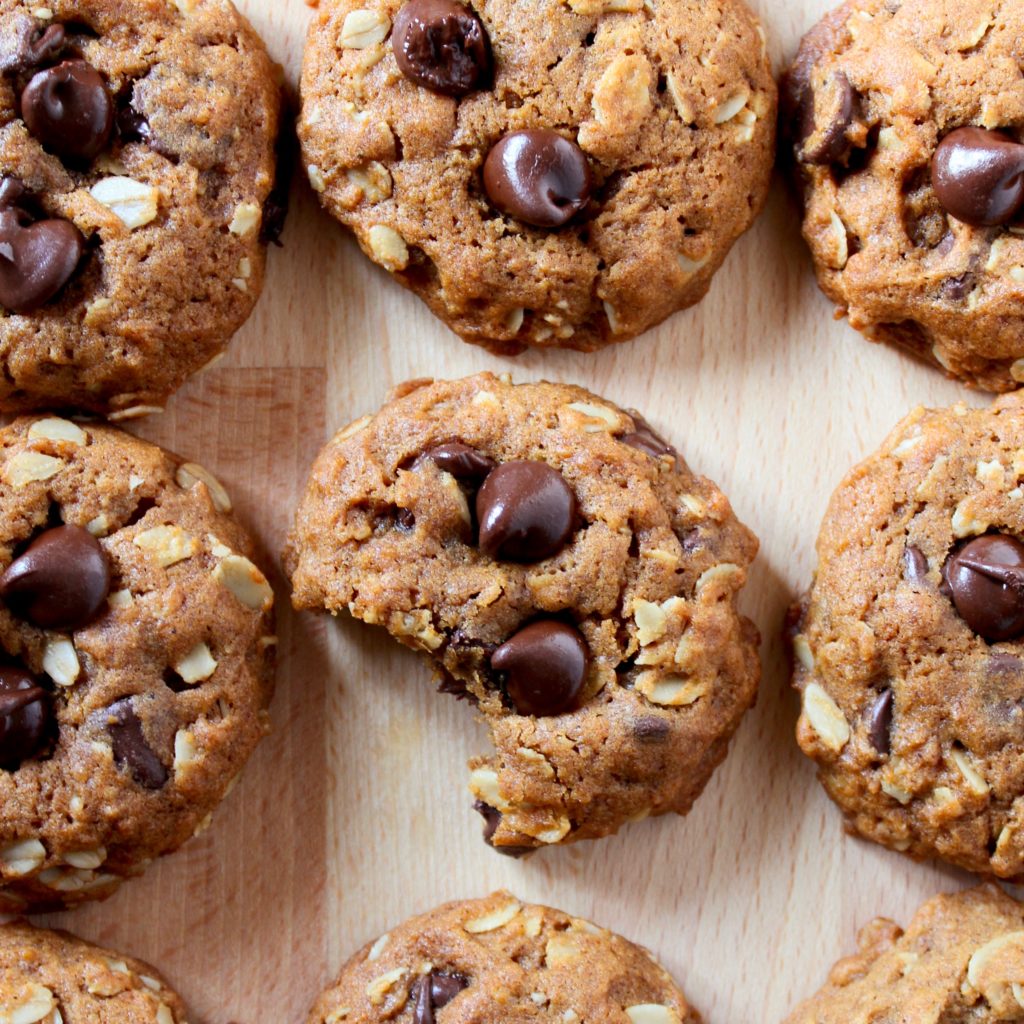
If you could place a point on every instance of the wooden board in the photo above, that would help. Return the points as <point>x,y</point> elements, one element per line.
<point>355,813</point>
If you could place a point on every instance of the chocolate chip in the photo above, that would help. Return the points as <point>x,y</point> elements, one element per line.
<point>432,992</point>
<point>463,462</point>
<point>43,46</point>
<point>69,110</point>
<point>978,176</point>
<point>956,289</point>
<point>131,749</point>
<point>649,729</point>
<point>915,564</point>
<point>442,46</point>
<point>646,440</point>
<point>25,717</point>
<point>838,103</point>
<point>133,126</point>
<point>880,722</point>
<point>30,46</point>
<point>36,259</point>
<point>1003,663</point>
<point>985,577</point>
<point>538,177</point>
<point>545,666</point>
<point>492,819</point>
<point>526,512</point>
<point>60,581</point>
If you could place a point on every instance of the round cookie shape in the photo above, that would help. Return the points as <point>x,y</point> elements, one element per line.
<point>904,122</point>
<point>136,657</point>
<point>528,963</point>
<point>909,646</point>
<point>612,668</point>
<point>958,960</point>
<point>53,976</point>
<point>582,187</point>
<point>136,176</point>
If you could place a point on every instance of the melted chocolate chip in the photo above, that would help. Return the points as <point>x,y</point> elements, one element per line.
<point>978,176</point>
<point>915,564</point>
<point>956,289</point>
<point>538,177</point>
<point>880,722</point>
<point>36,258</point>
<point>838,103</point>
<point>985,578</point>
<point>68,108</point>
<point>131,749</point>
<point>133,126</point>
<point>545,666</point>
<point>26,715</point>
<point>1003,663</point>
<point>492,819</point>
<point>649,729</point>
<point>463,462</point>
<point>434,991</point>
<point>644,438</point>
<point>442,46</point>
<point>526,511</point>
<point>60,581</point>
<point>31,46</point>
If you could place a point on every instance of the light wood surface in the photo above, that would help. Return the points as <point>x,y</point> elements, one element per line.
<point>354,814</point>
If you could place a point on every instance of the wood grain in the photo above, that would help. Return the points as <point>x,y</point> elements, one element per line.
<point>355,814</point>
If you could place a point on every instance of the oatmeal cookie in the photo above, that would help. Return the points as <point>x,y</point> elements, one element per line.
<point>565,571</point>
<point>137,657</point>
<point>557,173</point>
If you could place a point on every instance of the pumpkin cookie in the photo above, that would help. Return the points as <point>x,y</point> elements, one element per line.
<point>49,977</point>
<point>910,644</point>
<point>136,666</point>
<point>551,173</point>
<point>564,571</point>
<point>136,158</point>
<point>464,962</point>
<point>907,126</point>
<point>961,960</point>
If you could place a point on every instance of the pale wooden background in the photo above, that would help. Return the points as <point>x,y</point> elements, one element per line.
<point>354,814</point>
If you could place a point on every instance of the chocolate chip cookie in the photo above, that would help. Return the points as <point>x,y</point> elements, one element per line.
<point>501,959</point>
<point>909,647</point>
<point>961,961</point>
<point>49,977</point>
<point>906,122</point>
<point>565,572</point>
<point>559,173</point>
<point>136,664</point>
<point>136,159</point>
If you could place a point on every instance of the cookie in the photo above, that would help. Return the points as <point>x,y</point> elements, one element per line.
<point>137,657</point>
<point>136,160</point>
<point>910,644</point>
<point>51,976</point>
<point>564,571</point>
<point>559,173</point>
<point>501,959</point>
<point>904,117</point>
<point>960,960</point>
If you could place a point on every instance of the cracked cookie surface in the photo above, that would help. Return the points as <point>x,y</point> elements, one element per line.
<point>910,671</point>
<point>124,719</point>
<point>51,976</point>
<point>670,105</point>
<point>960,961</point>
<point>600,641</point>
<point>468,961</point>
<point>875,89</point>
<point>155,212</point>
